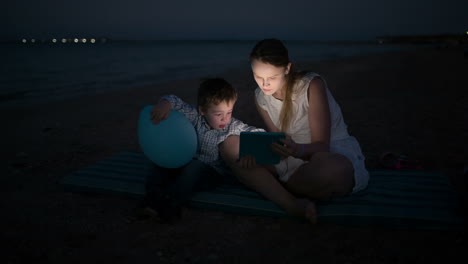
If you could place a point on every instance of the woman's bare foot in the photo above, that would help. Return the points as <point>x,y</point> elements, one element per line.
<point>306,208</point>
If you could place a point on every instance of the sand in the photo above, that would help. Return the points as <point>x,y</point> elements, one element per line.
<point>412,102</point>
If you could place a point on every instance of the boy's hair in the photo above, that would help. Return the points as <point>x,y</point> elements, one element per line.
<point>214,91</point>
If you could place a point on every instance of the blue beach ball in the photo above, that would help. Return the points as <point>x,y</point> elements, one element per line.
<point>170,144</point>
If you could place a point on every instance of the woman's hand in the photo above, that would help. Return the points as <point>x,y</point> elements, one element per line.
<point>288,148</point>
<point>160,111</point>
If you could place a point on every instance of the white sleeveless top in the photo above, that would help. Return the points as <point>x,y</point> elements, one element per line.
<point>299,126</point>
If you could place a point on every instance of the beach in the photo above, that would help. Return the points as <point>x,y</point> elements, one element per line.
<point>411,102</point>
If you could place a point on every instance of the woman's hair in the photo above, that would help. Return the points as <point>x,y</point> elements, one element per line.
<point>272,51</point>
<point>214,91</point>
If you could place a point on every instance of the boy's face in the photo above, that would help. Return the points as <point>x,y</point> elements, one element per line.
<point>218,116</point>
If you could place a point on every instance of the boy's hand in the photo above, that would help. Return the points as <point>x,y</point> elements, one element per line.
<point>288,148</point>
<point>246,162</point>
<point>160,111</point>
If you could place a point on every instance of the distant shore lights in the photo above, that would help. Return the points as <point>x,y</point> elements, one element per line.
<point>64,40</point>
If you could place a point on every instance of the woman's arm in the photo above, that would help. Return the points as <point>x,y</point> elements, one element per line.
<point>319,119</point>
<point>266,119</point>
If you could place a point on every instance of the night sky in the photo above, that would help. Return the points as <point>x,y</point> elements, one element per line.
<point>237,19</point>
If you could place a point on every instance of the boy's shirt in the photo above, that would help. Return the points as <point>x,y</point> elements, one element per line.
<point>208,138</point>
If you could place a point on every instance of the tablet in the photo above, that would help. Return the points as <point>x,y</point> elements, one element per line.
<point>258,144</point>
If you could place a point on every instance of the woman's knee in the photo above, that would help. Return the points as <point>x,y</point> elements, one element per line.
<point>343,175</point>
<point>338,172</point>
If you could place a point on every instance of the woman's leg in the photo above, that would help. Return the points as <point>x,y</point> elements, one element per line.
<point>326,175</point>
<point>263,181</point>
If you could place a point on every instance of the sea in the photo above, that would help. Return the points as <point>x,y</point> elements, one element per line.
<point>36,73</point>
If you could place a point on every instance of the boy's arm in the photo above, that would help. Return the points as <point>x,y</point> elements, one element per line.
<point>238,126</point>
<point>229,150</point>
<point>235,128</point>
<point>160,111</point>
<point>229,147</point>
<point>177,104</point>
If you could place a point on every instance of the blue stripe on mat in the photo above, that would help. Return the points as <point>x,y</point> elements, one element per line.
<point>415,199</point>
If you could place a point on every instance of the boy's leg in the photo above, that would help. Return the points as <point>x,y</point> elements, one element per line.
<point>168,189</point>
<point>156,182</point>
<point>156,198</point>
<point>193,177</point>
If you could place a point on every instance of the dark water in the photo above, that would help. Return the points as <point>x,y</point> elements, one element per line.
<point>36,73</point>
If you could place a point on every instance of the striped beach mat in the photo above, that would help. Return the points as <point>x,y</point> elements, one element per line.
<point>393,198</point>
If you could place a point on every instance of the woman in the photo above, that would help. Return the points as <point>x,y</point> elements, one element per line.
<point>320,159</point>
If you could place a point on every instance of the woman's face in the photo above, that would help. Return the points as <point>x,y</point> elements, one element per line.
<point>270,78</point>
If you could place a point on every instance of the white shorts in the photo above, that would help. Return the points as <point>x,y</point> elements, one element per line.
<point>348,147</point>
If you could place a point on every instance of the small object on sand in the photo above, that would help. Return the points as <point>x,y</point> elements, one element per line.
<point>389,160</point>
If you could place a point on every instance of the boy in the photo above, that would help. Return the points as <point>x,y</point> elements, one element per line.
<point>168,189</point>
